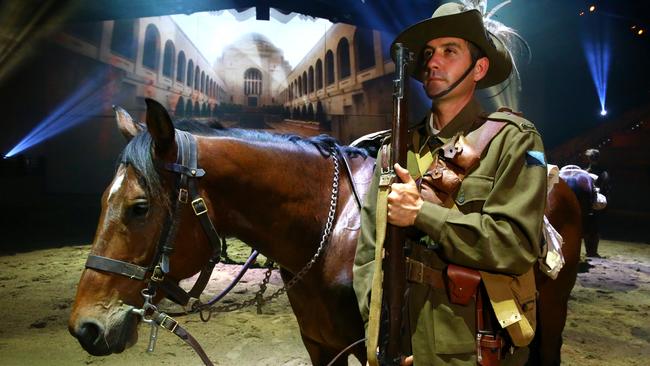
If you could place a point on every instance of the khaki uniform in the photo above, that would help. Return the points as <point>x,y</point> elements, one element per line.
<point>495,226</point>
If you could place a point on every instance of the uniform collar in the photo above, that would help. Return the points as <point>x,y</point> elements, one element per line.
<point>462,122</point>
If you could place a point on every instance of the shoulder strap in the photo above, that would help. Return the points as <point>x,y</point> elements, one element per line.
<point>517,119</point>
<point>465,151</point>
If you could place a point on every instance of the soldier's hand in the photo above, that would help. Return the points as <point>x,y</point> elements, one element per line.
<point>404,201</point>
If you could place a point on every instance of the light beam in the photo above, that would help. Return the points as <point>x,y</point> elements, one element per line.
<point>598,53</point>
<point>87,101</point>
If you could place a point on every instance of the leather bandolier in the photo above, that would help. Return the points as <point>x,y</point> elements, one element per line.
<point>497,296</point>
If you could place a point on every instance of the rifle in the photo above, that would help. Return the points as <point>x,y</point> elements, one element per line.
<point>394,261</point>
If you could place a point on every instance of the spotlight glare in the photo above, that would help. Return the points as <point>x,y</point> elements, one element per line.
<point>79,107</point>
<point>598,53</point>
<point>592,8</point>
<point>640,31</point>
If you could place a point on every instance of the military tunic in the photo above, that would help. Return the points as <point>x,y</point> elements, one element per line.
<point>495,226</point>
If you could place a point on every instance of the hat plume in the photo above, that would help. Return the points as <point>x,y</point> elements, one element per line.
<point>513,42</point>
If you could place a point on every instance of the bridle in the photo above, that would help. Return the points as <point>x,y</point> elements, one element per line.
<point>186,167</point>
<point>188,172</point>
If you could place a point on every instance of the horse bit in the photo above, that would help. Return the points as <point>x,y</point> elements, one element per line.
<point>186,167</point>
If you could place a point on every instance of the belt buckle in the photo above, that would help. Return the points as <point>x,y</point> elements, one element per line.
<point>418,267</point>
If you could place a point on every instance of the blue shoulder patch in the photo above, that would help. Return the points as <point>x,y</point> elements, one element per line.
<point>535,158</point>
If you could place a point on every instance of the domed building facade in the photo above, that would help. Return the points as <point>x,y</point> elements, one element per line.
<point>253,70</point>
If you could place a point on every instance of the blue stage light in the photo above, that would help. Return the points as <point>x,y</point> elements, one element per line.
<point>603,112</point>
<point>84,103</point>
<point>598,54</point>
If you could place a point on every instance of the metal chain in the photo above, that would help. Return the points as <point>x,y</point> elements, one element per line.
<point>258,299</point>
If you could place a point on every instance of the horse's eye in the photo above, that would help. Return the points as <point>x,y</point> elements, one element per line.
<point>140,208</point>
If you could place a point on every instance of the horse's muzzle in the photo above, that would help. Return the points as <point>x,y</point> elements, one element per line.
<point>91,337</point>
<point>97,340</point>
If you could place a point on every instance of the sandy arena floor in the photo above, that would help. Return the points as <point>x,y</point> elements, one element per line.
<point>608,316</point>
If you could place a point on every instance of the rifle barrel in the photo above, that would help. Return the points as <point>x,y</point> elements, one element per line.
<point>395,268</point>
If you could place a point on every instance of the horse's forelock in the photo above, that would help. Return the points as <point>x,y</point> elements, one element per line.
<point>137,154</point>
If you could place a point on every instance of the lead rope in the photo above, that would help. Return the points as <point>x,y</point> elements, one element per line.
<point>345,351</point>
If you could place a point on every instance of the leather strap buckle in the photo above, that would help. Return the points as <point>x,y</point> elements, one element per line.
<point>158,275</point>
<point>199,206</point>
<point>169,323</point>
<point>183,195</point>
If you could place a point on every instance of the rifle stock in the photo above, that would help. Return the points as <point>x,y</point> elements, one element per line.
<point>394,261</point>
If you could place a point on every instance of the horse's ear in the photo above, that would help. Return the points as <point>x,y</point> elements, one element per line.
<point>126,124</point>
<point>160,126</point>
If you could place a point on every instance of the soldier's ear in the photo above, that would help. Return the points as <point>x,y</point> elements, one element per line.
<point>481,68</point>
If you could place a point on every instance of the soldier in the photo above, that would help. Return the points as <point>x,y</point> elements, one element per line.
<point>472,197</point>
<point>592,219</point>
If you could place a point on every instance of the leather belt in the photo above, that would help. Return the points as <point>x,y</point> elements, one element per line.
<point>418,272</point>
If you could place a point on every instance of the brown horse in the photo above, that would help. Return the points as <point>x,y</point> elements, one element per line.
<point>564,213</point>
<point>566,207</point>
<point>271,191</point>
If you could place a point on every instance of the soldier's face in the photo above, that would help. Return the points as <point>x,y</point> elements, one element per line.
<point>444,61</point>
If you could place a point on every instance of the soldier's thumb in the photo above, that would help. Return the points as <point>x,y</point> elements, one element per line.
<point>403,174</point>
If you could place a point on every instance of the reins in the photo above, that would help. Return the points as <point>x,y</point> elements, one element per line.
<point>186,167</point>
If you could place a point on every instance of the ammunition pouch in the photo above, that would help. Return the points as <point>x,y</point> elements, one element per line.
<point>440,182</point>
<point>455,159</point>
<point>462,284</point>
<point>492,341</point>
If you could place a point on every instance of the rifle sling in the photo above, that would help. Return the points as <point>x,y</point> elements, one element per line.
<point>378,276</point>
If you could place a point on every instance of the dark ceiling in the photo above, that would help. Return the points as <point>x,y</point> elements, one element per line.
<point>378,14</point>
<point>373,13</point>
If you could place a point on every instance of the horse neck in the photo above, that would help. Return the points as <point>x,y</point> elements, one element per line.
<point>272,195</point>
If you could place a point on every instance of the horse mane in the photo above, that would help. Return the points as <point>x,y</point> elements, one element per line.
<point>137,152</point>
<point>197,127</point>
<point>323,143</point>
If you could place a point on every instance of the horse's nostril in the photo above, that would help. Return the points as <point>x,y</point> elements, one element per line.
<point>89,331</point>
<point>90,336</point>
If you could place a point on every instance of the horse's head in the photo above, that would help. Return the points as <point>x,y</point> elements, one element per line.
<point>136,234</point>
